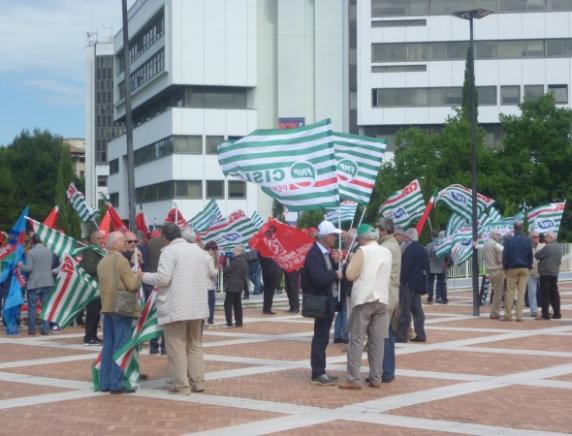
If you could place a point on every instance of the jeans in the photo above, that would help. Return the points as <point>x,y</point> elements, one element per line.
<point>389,355</point>
<point>319,344</point>
<point>532,291</point>
<point>341,323</point>
<point>440,293</point>
<point>43,294</point>
<point>117,332</point>
<point>255,276</point>
<point>212,300</point>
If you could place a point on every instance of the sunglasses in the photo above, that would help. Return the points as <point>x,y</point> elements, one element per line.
<point>132,241</point>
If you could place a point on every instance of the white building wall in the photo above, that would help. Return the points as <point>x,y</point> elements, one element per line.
<point>509,26</point>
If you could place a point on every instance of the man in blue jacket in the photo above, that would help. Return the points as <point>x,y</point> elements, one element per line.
<point>320,278</point>
<point>517,262</point>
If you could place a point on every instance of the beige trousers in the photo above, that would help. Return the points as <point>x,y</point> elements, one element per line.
<point>184,344</point>
<point>516,279</point>
<point>497,284</point>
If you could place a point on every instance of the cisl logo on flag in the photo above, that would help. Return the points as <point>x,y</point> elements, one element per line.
<point>347,170</point>
<point>303,174</point>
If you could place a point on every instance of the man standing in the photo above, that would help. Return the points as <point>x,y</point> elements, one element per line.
<point>115,276</point>
<point>320,278</point>
<point>436,272</point>
<point>293,290</point>
<point>271,275</point>
<point>154,247</point>
<point>387,240</point>
<point>89,261</point>
<point>369,270</point>
<point>413,284</point>
<point>517,261</point>
<point>39,264</point>
<point>549,259</point>
<point>532,284</point>
<point>182,279</point>
<point>492,256</point>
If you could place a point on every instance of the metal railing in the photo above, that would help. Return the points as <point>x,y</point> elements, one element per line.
<point>465,269</point>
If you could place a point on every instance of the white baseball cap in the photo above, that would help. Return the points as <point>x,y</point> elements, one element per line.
<point>327,228</point>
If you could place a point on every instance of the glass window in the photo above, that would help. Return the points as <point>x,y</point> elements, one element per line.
<point>215,189</point>
<point>191,189</point>
<point>114,166</point>
<point>510,49</point>
<point>192,144</point>
<point>398,68</point>
<point>236,189</point>
<point>512,5</point>
<point>534,49</point>
<point>212,144</point>
<point>457,50</point>
<point>399,23</point>
<point>486,50</point>
<point>559,5</point>
<point>510,95</point>
<point>114,199</point>
<point>487,95</point>
<point>388,52</point>
<point>532,92</point>
<point>560,93</point>
<point>101,181</point>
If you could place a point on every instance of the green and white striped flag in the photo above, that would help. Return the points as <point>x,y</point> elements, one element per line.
<point>404,206</point>
<point>127,357</point>
<point>347,211</point>
<point>58,242</point>
<point>257,220</point>
<point>297,167</point>
<point>206,217</point>
<point>358,161</point>
<point>73,290</point>
<point>454,223</point>
<point>78,202</point>
<point>547,217</point>
<point>236,230</point>
<point>459,200</point>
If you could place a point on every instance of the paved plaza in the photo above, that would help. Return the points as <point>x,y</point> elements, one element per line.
<point>473,376</point>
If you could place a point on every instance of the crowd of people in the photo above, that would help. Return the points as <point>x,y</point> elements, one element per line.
<point>371,291</point>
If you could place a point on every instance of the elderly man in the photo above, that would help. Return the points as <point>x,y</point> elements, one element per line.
<point>413,284</point>
<point>182,279</point>
<point>115,278</point>
<point>320,278</point>
<point>532,284</point>
<point>39,262</point>
<point>89,260</point>
<point>370,271</point>
<point>549,259</point>
<point>386,229</point>
<point>436,272</point>
<point>492,256</point>
<point>517,262</point>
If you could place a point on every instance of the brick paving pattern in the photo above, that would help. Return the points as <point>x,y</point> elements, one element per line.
<point>473,376</point>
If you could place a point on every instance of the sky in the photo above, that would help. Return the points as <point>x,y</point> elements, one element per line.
<point>42,62</point>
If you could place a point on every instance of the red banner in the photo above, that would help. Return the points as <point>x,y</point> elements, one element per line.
<point>286,245</point>
<point>52,218</point>
<point>141,224</point>
<point>175,216</point>
<point>116,221</point>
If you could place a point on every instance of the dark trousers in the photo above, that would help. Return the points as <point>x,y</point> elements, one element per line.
<point>320,341</point>
<point>271,282</point>
<point>410,305</point>
<point>440,293</point>
<point>92,317</point>
<point>212,300</point>
<point>549,295</point>
<point>232,301</point>
<point>293,290</point>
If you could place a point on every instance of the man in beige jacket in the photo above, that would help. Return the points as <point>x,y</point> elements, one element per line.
<point>182,279</point>
<point>369,270</point>
<point>114,273</point>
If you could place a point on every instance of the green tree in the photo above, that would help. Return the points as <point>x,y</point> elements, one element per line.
<point>277,210</point>
<point>7,192</point>
<point>311,218</point>
<point>68,219</point>
<point>468,83</point>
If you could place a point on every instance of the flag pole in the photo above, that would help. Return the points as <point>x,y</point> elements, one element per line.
<point>355,236</point>
<point>340,264</point>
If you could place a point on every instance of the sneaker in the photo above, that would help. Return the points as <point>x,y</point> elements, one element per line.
<point>322,380</point>
<point>332,377</point>
<point>92,342</point>
<point>349,385</point>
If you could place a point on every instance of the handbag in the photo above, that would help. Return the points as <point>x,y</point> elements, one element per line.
<point>124,301</point>
<point>315,306</point>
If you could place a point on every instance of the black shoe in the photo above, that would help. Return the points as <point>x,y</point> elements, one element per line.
<point>387,380</point>
<point>401,341</point>
<point>339,341</point>
<point>143,376</point>
<point>92,342</point>
<point>445,302</point>
<point>154,351</point>
<point>238,325</point>
<point>32,333</point>
<point>268,312</point>
<point>416,339</point>
<point>547,318</point>
<point>163,352</point>
<point>557,316</point>
<point>246,297</point>
<point>323,380</point>
<point>122,391</point>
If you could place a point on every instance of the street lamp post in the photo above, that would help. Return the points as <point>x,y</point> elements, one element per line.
<point>472,15</point>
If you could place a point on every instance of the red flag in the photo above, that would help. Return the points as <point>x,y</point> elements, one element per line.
<point>105,224</point>
<point>116,221</point>
<point>425,215</point>
<point>141,223</point>
<point>52,218</point>
<point>286,245</point>
<point>175,216</point>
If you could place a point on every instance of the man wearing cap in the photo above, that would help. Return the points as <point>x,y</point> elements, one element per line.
<point>320,278</point>
<point>413,283</point>
<point>369,270</point>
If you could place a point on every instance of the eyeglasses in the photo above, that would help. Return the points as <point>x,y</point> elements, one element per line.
<point>131,241</point>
